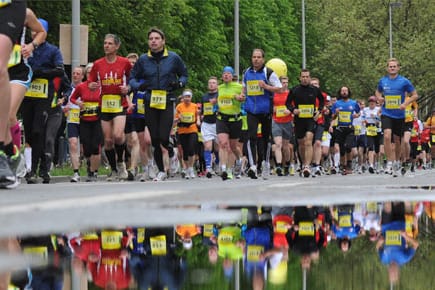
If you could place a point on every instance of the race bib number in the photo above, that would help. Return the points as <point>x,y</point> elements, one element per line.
<point>38,89</point>
<point>36,254</point>
<point>357,130</point>
<point>158,245</point>
<point>89,236</point>
<point>15,57</point>
<point>393,102</point>
<point>254,252</point>
<point>90,109</point>
<point>433,138</point>
<point>372,207</point>
<point>306,111</point>
<point>111,240</point>
<point>158,99</point>
<point>111,104</point>
<point>393,238</point>
<point>344,117</point>
<point>225,238</point>
<point>3,3</point>
<point>140,236</point>
<point>74,115</point>
<point>187,117</point>
<point>280,111</point>
<point>208,109</point>
<point>281,227</point>
<point>253,88</point>
<point>409,113</point>
<point>208,230</point>
<point>325,136</point>
<point>372,131</point>
<point>140,106</point>
<point>306,229</point>
<point>344,221</point>
<point>225,102</point>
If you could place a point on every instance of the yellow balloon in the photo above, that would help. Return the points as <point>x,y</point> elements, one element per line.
<point>278,66</point>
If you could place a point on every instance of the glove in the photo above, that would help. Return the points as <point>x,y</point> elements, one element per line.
<point>143,87</point>
<point>175,85</point>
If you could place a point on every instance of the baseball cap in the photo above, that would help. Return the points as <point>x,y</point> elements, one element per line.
<point>44,23</point>
<point>187,93</point>
<point>228,69</point>
<point>372,99</point>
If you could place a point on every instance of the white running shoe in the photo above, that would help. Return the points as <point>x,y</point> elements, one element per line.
<point>161,176</point>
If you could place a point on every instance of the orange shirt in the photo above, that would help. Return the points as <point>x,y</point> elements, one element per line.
<point>187,114</point>
<point>431,122</point>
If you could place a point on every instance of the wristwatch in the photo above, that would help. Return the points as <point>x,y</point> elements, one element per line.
<point>35,45</point>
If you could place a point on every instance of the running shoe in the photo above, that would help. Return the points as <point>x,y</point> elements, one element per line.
<point>144,176</point>
<point>110,176</point>
<point>92,177</point>
<point>161,176</point>
<point>333,170</point>
<point>278,171</point>
<point>292,170</point>
<point>152,171</point>
<point>184,174</point>
<point>238,168</point>
<point>252,172</point>
<point>6,174</point>
<point>224,175</point>
<point>30,177</point>
<point>17,163</point>
<point>209,173</point>
<point>75,177</point>
<point>265,169</point>
<point>191,172</point>
<point>46,178</point>
<point>122,171</point>
<point>371,169</point>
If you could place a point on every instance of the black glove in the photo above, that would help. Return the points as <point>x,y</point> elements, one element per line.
<point>143,87</point>
<point>175,85</point>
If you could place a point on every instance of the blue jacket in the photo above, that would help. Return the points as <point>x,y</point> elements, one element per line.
<point>258,104</point>
<point>167,73</point>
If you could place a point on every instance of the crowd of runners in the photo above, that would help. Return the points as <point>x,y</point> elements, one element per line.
<point>136,116</point>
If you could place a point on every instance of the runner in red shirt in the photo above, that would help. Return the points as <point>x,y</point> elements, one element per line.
<point>110,73</point>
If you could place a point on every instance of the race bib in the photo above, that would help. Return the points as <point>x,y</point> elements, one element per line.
<point>208,230</point>
<point>344,117</point>
<point>325,136</point>
<point>90,109</point>
<point>158,99</point>
<point>111,240</point>
<point>393,102</point>
<point>15,57</point>
<point>89,236</point>
<point>357,130</point>
<point>344,221</point>
<point>281,227</point>
<point>225,102</point>
<point>36,254</point>
<point>74,115</point>
<point>433,138</point>
<point>225,238</point>
<point>306,229</point>
<point>372,131</point>
<point>140,236</point>
<point>38,89</point>
<point>254,252</point>
<point>253,88</point>
<point>372,207</point>
<point>208,109</point>
<point>187,117</point>
<point>280,111</point>
<point>158,245</point>
<point>306,111</point>
<point>393,238</point>
<point>111,104</point>
<point>140,106</point>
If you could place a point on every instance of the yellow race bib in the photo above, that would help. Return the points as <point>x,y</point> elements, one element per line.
<point>140,106</point>
<point>38,89</point>
<point>254,252</point>
<point>15,57</point>
<point>281,227</point>
<point>344,221</point>
<point>357,130</point>
<point>208,109</point>
<point>158,245</point>
<point>36,254</point>
<point>111,104</point>
<point>74,115</point>
<point>90,109</point>
<point>225,102</point>
<point>393,102</point>
<point>111,240</point>
<point>344,117</point>
<point>306,229</point>
<point>208,230</point>
<point>187,117</point>
<point>372,131</point>
<point>306,111</point>
<point>4,3</point>
<point>253,88</point>
<point>393,238</point>
<point>280,111</point>
<point>158,99</point>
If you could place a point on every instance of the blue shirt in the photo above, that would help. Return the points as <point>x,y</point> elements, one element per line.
<point>394,249</point>
<point>346,111</point>
<point>394,91</point>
